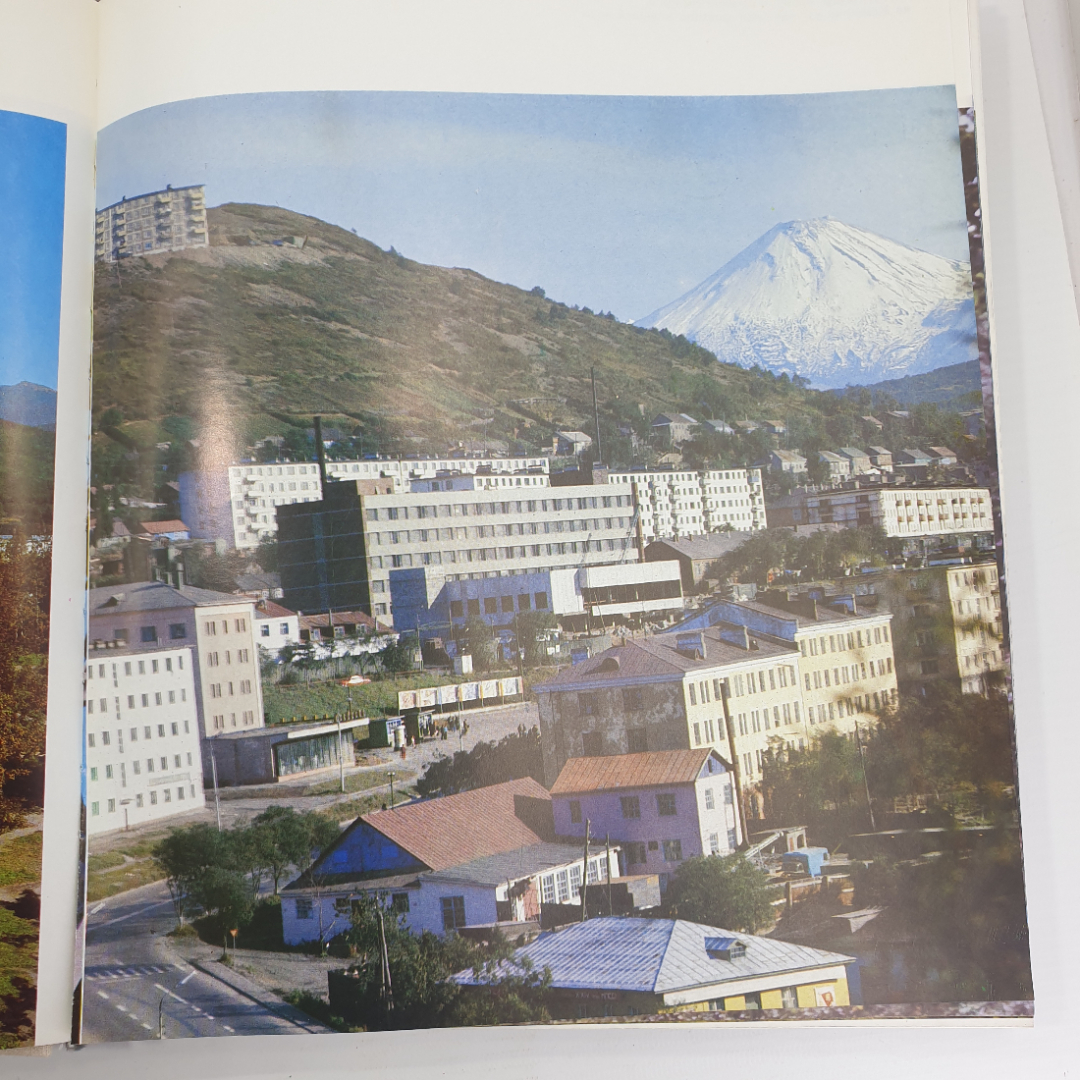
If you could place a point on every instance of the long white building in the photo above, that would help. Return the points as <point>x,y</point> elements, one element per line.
<point>680,502</point>
<point>240,504</point>
<point>142,737</point>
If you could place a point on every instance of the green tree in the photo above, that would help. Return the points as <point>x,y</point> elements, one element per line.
<point>478,641</point>
<point>515,756</point>
<point>729,892</point>
<point>531,628</point>
<point>184,856</point>
<point>398,656</point>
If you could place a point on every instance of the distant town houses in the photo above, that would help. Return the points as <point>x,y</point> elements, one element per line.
<point>673,429</point>
<point>786,461</point>
<point>837,466</point>
<point>695,556</point>
<point>275,627</point>
<point>570,443</point>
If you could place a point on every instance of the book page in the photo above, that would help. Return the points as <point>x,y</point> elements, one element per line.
<point>47,126</point>
<point>736,312</point>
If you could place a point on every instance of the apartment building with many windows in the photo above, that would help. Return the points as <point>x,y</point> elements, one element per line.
<point>150,224</point>
<point>239,504</point>
<point>143,761</point>
<point>146,616</point>
<point>682,502</point>
<point>340,551</point>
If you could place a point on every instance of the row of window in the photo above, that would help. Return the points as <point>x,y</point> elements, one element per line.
<point>637,851</point>
<point>848,673</point>
<point>140,666</point>
<point>480,509</point>
<point>243,656</point>
<point>264,630</point>
<point>851,706</point>
<point>482,532</point>
<point>527,551</point>
<point>166,796</point>
<point>159,699</point>
<point>148,635</point>
<point>133,733</point>
<point>211,626</point>
<point>136,767</point>
<point>759,720</point>
<point>492,605</point>
<point>817,646</point>
<point>564,886</point>
<point>247,719</point>
<point>217,691</point>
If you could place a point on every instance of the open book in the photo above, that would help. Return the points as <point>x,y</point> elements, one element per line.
<point>533,548</point>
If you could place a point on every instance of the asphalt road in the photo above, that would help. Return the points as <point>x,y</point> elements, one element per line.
<point>132,972</point>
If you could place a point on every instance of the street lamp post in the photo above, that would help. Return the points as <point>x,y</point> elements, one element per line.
<point>161,1018</point>
<point>390,773</point>
<point>340,754</point>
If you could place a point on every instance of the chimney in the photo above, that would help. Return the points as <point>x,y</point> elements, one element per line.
<point>738,636</point>
<point>320,452</point>
<point>691,645</point>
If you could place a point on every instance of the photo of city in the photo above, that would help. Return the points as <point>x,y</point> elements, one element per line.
<point>545,564</point>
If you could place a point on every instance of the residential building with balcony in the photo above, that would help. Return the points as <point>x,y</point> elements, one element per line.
<point>152,224</point>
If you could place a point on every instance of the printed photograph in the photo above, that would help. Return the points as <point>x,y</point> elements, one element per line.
<point>32,163</point>
<point>703,712</point>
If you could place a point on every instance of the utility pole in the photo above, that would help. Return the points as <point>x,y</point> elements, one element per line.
<point>607,871</point>
<point>340,754</point>
<point>390,773</point>
<point>729,727</point>
<point>217,797</point>
<point>866,782</point>
<point>161,1018</point>
<point>585,874</point>
<point>387,984</point>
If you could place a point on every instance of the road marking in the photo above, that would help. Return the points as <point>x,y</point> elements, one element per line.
<point>183,1001</point>
<point>209,1017</point>
<point>95,910</point>
<point>102,994</point>
<point>227,1028</point>
<point>148,1027</point>
<point>129,915</point>
<point>186,977</point>
<point>122,1008</point>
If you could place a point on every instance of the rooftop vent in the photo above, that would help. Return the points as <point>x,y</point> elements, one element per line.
<point>736,635</point>
<point>691,645</point>
<point>609,663</point>
<point>724,948</point>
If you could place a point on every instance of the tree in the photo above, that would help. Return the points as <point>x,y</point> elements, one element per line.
<point>398,656</point>
<point>531,628</point>
<point>512,758</point>
<point>281,838</point>
<point>24,646</point>
<point>729,892</point>
<point>479,643</point>
<point>184,856</point>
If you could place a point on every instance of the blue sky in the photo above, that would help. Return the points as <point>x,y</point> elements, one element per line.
<point>616,203</point>
<point>32,160</point>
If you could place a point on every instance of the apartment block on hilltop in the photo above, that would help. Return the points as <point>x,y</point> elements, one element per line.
<point>149,615</point>
<point>150,224</point>
<point>143,761</point>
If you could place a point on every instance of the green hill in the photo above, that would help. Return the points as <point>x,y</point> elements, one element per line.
<point>957,386</point>
<point>27,456</point>
<point>256,334</point>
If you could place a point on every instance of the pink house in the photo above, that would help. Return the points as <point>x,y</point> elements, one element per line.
<point>662,807</point>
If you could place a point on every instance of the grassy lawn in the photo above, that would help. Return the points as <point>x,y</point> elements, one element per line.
<point>362,781</point>
<point>20,860</point>
<point>351,808</point>
<point>125,865</point>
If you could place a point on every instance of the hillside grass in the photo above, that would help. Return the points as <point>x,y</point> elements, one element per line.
<point>316,700</point>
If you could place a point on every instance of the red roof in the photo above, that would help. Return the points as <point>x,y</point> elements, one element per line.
<point>161,527</point>
<point>269,610</point>
<point>456,829</point>
<point>630,771</point>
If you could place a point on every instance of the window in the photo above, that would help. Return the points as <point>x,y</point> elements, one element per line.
<point>672,851</point>
<point>138,798</point>
<point>665,804</point>
<point>93,773</point>
<point>789,997</point>
<point>714,843</point>
<point>635,853</point>
<point>148,633</point>
<point>90,739</point>
<point>752,1001</point>
<point>693,694</point>
<point>633,699</point>
<point>547,889</point>
<point>710,802</point>
<point>153,798</point>
<point>95,809</point>
<point>164,763</point>
<point>399,902</point>
<point>631,806</point>
<point>592,744</point>
<point>112,806</point>
<point>491,605</point>
<point>588,704</point>
<point>303,908</point>
<point>453,912</point>
<point>575,811</point>
<point>562,886</point>
<point>264,630</point>
<point>168,795</point>
<point>637,740</point>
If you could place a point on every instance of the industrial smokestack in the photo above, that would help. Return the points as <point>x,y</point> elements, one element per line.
<point>320,452</point>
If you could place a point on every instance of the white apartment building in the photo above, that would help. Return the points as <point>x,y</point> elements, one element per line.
<point>147,615</point>
<point>904,511</point>
<point>275,626</point>
<point>240,504</point>
<point>159,221</point>
<point>142,737</point>
<point>681,503</point>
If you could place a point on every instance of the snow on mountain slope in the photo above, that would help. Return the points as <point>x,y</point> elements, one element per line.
<point>830,302</point>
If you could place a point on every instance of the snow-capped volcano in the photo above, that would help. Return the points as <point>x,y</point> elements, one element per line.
<point>836,304</point>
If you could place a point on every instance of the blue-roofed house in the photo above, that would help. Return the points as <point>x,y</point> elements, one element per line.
<point>634,967</point>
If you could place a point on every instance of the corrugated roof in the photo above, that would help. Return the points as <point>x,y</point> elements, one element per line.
<point>712,546</point>
<point>656,769</point>
<point>513,865</point>
<point>657,956</point>
<point>156,528</point>
<point>460,828</point>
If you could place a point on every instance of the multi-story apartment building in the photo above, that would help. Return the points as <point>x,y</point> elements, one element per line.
<point>339,552</point>
<point>240,504</point>
<point>142,736</point>
<point>681,503</point>
<point>145,616</point>
<point>677,692</point>
<point>903,512</point>
<point>947,625</point>
<point>846,661</point>
<point>149,224</point>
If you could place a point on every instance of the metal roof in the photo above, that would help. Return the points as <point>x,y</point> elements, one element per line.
<point>657,956</point>
<point>656,769</point>
<point>507,866</point>
<point>156,596</point>
<point>712,546</point>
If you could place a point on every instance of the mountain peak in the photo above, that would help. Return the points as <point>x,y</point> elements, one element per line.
<point>832,302</point>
